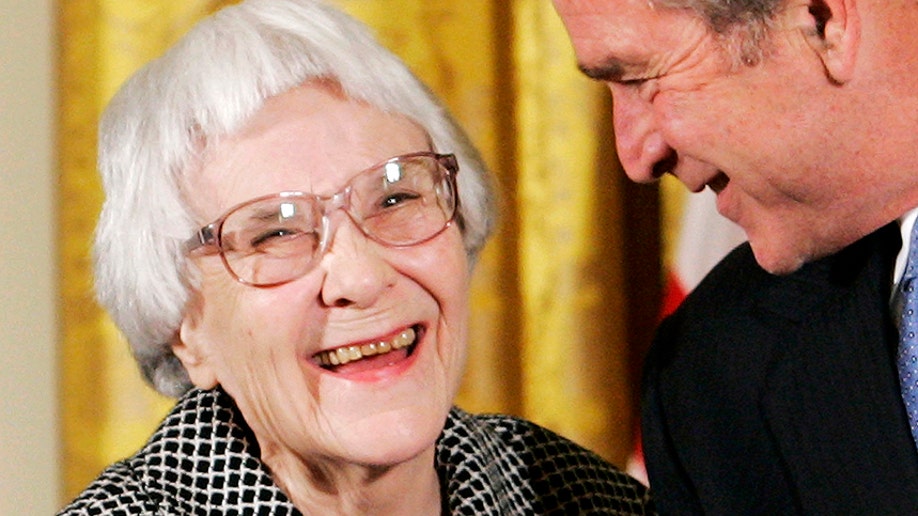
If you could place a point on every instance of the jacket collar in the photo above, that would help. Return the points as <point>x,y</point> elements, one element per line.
<point>832,397</point>
<point>205,456</point>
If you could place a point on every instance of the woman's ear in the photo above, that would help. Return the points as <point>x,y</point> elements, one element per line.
<point>835,34</point>
<point>191,347</point>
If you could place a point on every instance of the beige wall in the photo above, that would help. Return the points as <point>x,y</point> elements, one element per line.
<point>28,326</point>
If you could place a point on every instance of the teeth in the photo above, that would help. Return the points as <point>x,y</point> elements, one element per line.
<point>346,354</point>
<point>403,339</point>
<point>369,350</point>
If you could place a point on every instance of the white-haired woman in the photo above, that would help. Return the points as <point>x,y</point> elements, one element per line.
<point>284,246</point>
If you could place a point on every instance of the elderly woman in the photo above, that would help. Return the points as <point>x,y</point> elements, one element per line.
<point>286,242</point>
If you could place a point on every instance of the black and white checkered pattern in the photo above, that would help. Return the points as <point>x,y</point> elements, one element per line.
<point>499,465</point>
<point>203,460</point>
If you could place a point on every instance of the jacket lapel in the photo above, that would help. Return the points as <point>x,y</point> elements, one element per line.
<point>832,398</point>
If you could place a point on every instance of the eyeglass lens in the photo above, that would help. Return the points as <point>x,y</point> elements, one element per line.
<point>404,201</point>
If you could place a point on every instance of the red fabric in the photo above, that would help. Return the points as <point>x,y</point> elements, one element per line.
<point>673,294</point>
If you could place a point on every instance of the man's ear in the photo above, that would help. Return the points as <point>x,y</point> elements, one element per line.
<point>190,346</point>
<point>835,35</point>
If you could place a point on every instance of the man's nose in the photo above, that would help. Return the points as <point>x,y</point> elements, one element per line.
<point>355,270</point>
<point>642,149</point>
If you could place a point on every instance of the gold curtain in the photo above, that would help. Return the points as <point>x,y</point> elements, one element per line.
<point>557,322</point>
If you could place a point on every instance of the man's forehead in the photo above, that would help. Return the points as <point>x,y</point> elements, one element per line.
<point>616,38</point>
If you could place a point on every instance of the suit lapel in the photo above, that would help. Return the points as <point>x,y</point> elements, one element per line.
<point>832,398</point>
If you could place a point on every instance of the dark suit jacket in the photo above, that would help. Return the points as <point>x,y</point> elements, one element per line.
<point>779,394</point>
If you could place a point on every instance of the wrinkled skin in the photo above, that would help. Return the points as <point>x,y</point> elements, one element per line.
<point>342,441</point>
<point>808,149</point>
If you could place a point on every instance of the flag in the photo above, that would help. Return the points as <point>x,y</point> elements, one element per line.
<point>704,237</point>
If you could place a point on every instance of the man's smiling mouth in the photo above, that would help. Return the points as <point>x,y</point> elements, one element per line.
<point>405,340</point>
<point>718,183</point>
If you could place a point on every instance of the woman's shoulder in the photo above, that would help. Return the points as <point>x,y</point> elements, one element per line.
<point>564,475</point>
<point>116,491</point>
<point>169,470</point>
<point>552,453</point>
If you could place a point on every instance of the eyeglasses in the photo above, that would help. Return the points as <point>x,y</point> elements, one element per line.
<point>266,241</point>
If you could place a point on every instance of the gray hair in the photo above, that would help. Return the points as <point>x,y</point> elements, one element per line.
<point>742,24</point>
<point>207,85</point>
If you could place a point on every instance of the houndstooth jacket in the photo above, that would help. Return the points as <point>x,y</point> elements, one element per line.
<point>203,460</point>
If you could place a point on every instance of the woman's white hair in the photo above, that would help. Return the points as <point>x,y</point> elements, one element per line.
<point>208,85</point>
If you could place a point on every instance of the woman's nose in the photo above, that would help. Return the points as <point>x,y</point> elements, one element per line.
<point>642,149</point>
<point>355,271</point>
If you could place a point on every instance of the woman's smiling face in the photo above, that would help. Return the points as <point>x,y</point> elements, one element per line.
<point>264,346</point>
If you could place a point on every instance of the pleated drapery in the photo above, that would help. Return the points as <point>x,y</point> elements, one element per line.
<point>564,297</point>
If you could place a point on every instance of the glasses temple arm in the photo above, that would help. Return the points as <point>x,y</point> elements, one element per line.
<point>202,238</point>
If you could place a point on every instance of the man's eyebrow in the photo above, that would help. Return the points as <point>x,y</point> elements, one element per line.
<point>612,70</point>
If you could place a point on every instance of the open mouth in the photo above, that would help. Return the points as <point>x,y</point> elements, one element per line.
<point>370,355</point>
<point>718,183</point>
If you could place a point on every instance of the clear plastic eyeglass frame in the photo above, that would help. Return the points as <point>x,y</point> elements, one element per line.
<point>274,239</point>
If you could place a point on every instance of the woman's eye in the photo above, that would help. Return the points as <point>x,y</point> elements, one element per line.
<point>272,236</point>
<point>397,198</point>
